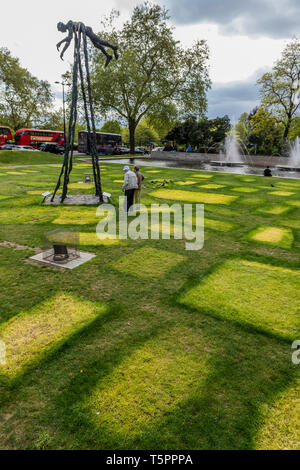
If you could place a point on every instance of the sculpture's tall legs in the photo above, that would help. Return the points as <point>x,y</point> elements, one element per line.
<point>94,145</point>
<point>72,121</point>
<point>87,118</point>
<point>67,164</point>
<point>79,31</point>
<point>74,105</point>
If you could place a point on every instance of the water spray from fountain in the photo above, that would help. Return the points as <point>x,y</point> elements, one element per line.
<point>294,159</point>
<point>232,153</point>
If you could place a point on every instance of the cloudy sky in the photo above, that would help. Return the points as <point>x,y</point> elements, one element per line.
<point>245,37</point>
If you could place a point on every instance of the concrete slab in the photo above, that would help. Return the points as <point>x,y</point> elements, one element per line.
<point>72,264</point>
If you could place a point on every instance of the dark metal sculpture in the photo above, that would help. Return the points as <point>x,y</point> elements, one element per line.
<point>60,252</point>
<point>79,32</point>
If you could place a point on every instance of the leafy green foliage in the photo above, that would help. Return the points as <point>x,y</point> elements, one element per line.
<point>154,75</point>
<point>23,98</point>
<point>279,88</point>
<point>144,134</point>
<point>205,133</point>
<point>112,127</point>
<point>265,132</point>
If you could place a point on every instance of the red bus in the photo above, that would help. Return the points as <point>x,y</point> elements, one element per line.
<point>5,134</point>
<point>35,137</point>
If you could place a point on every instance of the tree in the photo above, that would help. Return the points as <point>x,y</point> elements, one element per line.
<point>53,120</point>
<point>279,89</point>
<point>266,133</point>
<point>218,129</point>
<point>186,132</point>
<point>243,129</point>
<point>164,121</point>
<point>205,133</point>
<point>153,73</point>
<point>23,98</point>
<point>112,127</point>
<point>295,128</point>
<point>143,135</point>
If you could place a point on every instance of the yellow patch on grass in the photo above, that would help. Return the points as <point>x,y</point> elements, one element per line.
<point>247,180</point>
<point>293,203</point>
<point>274,210</point>
<point>281,193</point>
<point>156,208</point>
<point>185,183</point>
<point>83,165</point>
<point>148,263</point>
<point>263,296</point>
<point>91,239</point>
<point>193,196</point>
<point>30,334</point>
<point>282,237</point>
<point>212,186</point>
<point>249,201</point>
<point>218,225</point>
<point>245,190</point>
<point>280,428</point>
<point>38,192</point>
<point>81,186</point>
<point>199,175</point>
<point>158,378</point>
<point>84,238</point>
<point>77,217</point>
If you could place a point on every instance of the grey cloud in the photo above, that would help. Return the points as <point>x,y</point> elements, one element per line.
<point>234,98</point>
<point>268,18</point>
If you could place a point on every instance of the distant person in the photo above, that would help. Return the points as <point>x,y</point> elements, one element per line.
<point>129,186</point>
<point>137,192</point>
<point>189,149</point>
<point>267,171</point>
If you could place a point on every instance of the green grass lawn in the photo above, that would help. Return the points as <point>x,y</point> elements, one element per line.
<point>150,346</point>
<point>9,157</point>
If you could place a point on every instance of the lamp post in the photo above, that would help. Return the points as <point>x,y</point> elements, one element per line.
<point>64,108</point>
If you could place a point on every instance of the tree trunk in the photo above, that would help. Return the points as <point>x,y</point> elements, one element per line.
<point>132,127</point>
<point>287,126</point>
<point>287,129</point>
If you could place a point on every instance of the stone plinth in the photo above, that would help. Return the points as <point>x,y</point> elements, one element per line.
<point>76,200</point>
<point>74,263</point>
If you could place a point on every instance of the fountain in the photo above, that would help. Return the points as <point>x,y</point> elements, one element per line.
<point>231,155</point>
<point>294,157</point>
<point>295,153</point>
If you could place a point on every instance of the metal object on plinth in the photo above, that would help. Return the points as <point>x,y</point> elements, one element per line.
<point>61,246</point>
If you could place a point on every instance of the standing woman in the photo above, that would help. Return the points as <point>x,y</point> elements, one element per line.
<point>137,192</point>
<point>129,187</point>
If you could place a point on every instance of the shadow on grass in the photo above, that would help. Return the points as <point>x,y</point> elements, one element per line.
<point>221,408</point>
<point>235,314</point>
<point>63,395</point>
